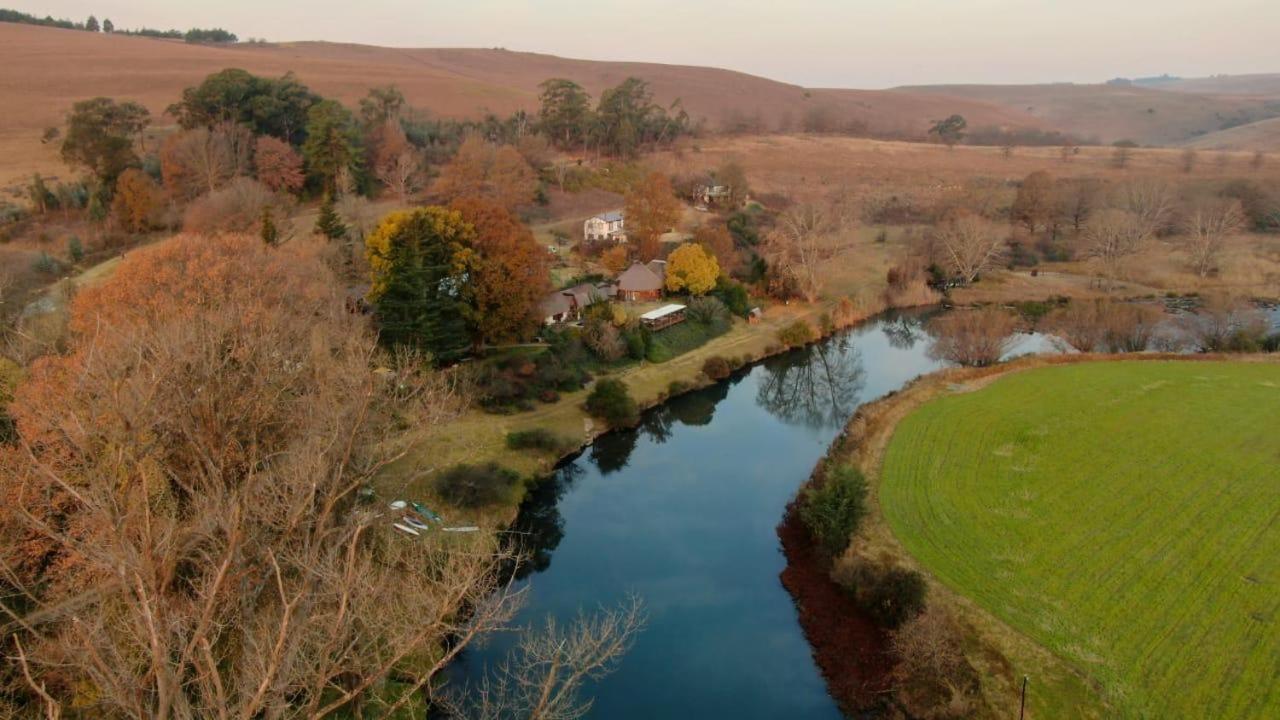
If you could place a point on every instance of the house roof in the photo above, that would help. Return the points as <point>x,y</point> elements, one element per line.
<point>583,293</point>
<point>557,303</point>
<point>639,278</point>
<point>659,268</point>
<point>662,312</point>
<point>612,216</point>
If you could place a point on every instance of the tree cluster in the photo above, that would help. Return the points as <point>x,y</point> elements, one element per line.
<point>625,120</point>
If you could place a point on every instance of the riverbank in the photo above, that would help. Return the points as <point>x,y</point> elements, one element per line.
<point>999,653</point>
<point>480,437</point>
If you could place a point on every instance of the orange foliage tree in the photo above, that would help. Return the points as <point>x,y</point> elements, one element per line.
<point>616,258</point>
<point>278,165</point>
<point>717,240</point>
<point>692,269</point>
<point>481,169</point>
<point>510,276</point>
<point>180,517</point>
<point>137,201</point>
<point>652,209</point>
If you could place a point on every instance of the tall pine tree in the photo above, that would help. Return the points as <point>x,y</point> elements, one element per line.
<point>420,261</point>
<point>329,224</point>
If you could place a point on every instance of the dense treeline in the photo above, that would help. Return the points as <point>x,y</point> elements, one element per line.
<point>194,35</point>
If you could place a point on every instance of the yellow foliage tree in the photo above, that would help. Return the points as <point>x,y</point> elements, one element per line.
<point>693,269</point>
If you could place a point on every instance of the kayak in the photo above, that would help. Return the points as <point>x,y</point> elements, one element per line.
<point>405,529</point>
<point>416,523</point>
<point>467,528</point>
<point>427,512</point>
<point>398,505</point>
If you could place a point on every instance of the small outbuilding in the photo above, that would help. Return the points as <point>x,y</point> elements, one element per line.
<point>754,317</point>
<point>663,317</point>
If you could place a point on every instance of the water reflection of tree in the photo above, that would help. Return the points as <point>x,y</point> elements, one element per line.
<point>539,528</point>
<point>817,386</point>
<point>903,331</point>
<point>611,451</point>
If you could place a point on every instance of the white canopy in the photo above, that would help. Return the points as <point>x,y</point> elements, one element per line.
<point>661,312</point>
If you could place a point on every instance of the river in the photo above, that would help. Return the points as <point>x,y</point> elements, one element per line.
<point>682,511</point>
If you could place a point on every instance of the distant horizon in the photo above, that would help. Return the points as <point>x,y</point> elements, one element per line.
<point>812,43</point>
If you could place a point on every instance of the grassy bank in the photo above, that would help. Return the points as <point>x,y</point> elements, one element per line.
<point>479,436</point>
<point>1064,492</point>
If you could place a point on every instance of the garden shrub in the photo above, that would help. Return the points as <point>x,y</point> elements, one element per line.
<point>708,311</point>
<point>833,509</point>
<point>716,368</point>
<point>734,296</point>
<point>890,595</point>
<point>538,439</point>
<point>796,334</point>
<point>611,401</point>
<point>476,486</point>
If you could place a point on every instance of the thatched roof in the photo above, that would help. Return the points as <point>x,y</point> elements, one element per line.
<point>639,278</point>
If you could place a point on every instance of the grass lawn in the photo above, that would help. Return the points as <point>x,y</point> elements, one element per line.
<point>1124,515</point>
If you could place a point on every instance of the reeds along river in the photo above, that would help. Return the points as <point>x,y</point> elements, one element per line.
<point>682,511</point>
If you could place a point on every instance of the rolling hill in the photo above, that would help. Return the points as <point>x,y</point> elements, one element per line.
<point>1263,135</point>
<point>47,69</point>
<point>1115,112</point>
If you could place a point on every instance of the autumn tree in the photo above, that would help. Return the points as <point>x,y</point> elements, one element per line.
<point>100,137</point>
<point>509,276</point>
<point>199,548</point>
<point>970,243</point>
<point>1035,204</point>
<point>692,269</point>
<point>481,169</point>
<point>332,147</point>
<point>733,176</point>
<point>616,259</point>
<point>236,207</point>
<point>419,261</point>
<point>717,240</point>
<point>651,210</point>
<point>277,165</point>
<point>806,238</point>
<point>396,163</point>
<point>1206,228</point>
<point>137,201</point>
<point>201,160</point>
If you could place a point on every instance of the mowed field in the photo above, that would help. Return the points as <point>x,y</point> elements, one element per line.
<point>1125,515</point>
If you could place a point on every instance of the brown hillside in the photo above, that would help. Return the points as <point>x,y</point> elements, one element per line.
<point>1264,84</point>
<point>1263,135</point>
<point>47,69</point>
<point>1113,112</point>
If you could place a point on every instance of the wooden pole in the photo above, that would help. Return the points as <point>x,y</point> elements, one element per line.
<point>1022,709</point>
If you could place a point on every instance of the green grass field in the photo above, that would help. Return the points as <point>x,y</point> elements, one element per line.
<point>1124,515</point>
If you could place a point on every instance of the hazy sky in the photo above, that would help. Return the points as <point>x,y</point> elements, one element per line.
<point>819,43</point>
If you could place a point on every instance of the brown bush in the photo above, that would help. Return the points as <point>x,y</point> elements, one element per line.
<point>236,208</point>
<point>935,678</point>
<point>974,338</point>
<point>137,202</point>
<point>716,368</point>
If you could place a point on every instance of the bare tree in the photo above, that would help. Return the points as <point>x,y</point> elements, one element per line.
<point>1259,159</point>
<point>1152,202</point>
<point>1113,236</point>
<point>806,238</point>
<point>1225,323</point>
<point>971,244</point>
<point>203,160</point>
<point>402,173</point>
<point>1188,160</point>
<point>543,677</point>
<point>1207,226</point>
<point>972,337</point>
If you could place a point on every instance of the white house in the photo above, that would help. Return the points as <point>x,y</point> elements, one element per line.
<point>605,226</point>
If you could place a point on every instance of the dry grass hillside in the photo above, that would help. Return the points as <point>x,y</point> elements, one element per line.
<point>1266,84</point>
<point>47,69</point>
<point>1263,135</point>
<point>1116,112</point>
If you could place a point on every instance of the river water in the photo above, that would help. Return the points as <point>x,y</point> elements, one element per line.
<point>682,511</point>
